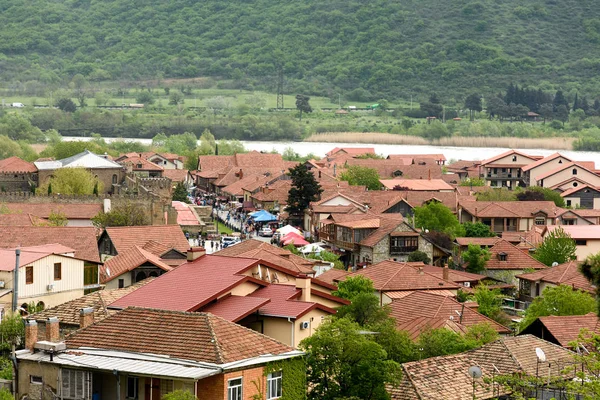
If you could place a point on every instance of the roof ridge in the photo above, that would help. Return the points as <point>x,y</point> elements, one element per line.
<point>214,338</point>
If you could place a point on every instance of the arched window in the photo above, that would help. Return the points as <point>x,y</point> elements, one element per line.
<point>115,179</point>
<point>40,306</point>
<point>574,171</point>
<point>153,274</point>
<point>140,276</point>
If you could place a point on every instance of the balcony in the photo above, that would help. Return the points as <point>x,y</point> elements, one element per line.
<point>403,249</point>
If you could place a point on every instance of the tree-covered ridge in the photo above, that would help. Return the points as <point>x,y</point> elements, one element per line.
<point>389,48</point>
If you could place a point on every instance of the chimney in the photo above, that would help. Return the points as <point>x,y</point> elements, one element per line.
<point>31,334</point>
<point>420,270</point>
<point>429,173</point>
<point>107,205</point>
<point>446,273</point>
<point>194,253</point>
<point>52,330</point>
<point>241,174</point>
<point>334,170</point>
<point>303,283</point>
<point>86,317</point>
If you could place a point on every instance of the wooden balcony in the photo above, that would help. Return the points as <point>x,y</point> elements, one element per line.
<point>403,249</point>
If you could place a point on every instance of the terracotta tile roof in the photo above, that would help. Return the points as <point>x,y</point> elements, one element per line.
<point>141,164</point>
<point>509,152</point>
<point>563,274</point>
<point>179,290</point>
<point>463,166</point>
<point>586,212</point>
<point>124,237</point>
<point>25,219</point>
<point>433,306</point>
<point>515,258</point>
<point>68,313</point>
<point>393,167</point>
<point>569,192</point>
<point>256,159</point>
<point>333,275</point>
<point>453,274</point>
<point>403,293</point>
<point>437,157</point>
<point>43,210</point>
<point>185,215</point>
<point>284,302</point>
<point>192,336</point>
<point>16,165</point>
<point>509,209</point>
<point>543,161</point>
<point>279,194</point>
<point>237,188</point>
<point>30,254</point>
<point>366,223</point>
<point>565,329</point>
<point>176,175</point>
<point>334,209</point>
<point>417,184</point>
<point>82,239</point>
<point>129,260</point>
<point>587,166</point>
<point>214,163</point>
<point>258,182</point>
<point>352,150</point>
<point>487,241</point>
<point>446,377</point>
<point>233,175</point>
<point>395,276</point>
<point>156,248</point>
<point>418,325</point>
<point>235,308</point>
<point>380,202</point>
<point>532,237</point>
<point>578,231</point>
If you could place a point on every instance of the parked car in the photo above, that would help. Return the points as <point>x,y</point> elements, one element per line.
<point>265,231</point>
<point>18,105</point>
<point>227,241</point>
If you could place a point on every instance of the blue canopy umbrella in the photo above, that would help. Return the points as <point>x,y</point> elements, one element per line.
<point>263,216</point>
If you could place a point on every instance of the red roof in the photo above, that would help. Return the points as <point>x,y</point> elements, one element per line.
<point>543,161</point>
<point>21,220</point>
<point>70,210</point>
<point>284,302</point>
<point>129,260</point>
<point>235,308</point>
<point>125,237</point>
<point>586,166</point>
<point>566,328</point>
<point>563,274</point>
<point>417,184</point>
<point>509,152</point>
<point>185,216</point>
<point>16,165</point>
<point>351,150</point>
<point>30,254</point>
<point>505,255</point>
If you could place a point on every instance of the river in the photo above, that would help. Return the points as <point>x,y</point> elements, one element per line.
<point>451,153</point>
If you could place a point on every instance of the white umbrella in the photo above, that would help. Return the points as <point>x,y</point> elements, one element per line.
<point>311,248</point>
<point>287,229</point>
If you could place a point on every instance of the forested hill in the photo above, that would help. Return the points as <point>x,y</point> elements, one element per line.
<point>389,47</point>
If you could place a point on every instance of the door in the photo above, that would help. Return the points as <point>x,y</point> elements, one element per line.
<point>152,389</point>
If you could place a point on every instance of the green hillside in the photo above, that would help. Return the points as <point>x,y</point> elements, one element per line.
<point>391,49</point>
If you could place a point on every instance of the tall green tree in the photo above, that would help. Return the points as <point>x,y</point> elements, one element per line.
<point>71,181</point>
<point>558,246</point>
<point>305,189</point>
<point>477,229</point>
<point>357,175</point>
<point>180,193</point>
<point>473,103</point>
<point>476,257</point>
<point>302,104</point>
<point>435,216</point>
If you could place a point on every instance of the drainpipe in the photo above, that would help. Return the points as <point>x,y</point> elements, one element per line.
<point>15,300</point>
<point>293,328</point>
<point>116,374</point>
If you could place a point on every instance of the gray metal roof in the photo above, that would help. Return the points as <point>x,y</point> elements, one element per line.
<point>132,363</point>
<point>85,159</point>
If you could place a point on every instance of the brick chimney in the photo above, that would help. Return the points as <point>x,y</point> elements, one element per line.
<point>241,174</point>
<point>446,273</point>
<point>420,270</point>
<point>52,330</point>
<point>31,334</point>
<point>303,283</point>
<point>194,253</point>
<point>86,317</point>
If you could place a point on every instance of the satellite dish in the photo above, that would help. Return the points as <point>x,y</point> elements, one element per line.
<point>540,354</point>
<point>475,372</point>
<point>554,264</point>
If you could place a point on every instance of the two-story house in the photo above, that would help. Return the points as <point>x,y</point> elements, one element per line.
<point>542,166</point>
<point>505,170</point>
<point>569,175</point>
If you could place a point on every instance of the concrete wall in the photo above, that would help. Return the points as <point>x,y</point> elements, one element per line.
<point>592,246</point>
<point>544,168</point>
<point>49,373</point>
<point>592,179</point>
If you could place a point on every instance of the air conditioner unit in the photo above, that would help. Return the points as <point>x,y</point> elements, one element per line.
<point>2,284</point>
<point>50,287</point>
<point>467,284</point>
<point>304,325</point>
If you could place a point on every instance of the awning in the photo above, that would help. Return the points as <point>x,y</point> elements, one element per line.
<point>404,234</point>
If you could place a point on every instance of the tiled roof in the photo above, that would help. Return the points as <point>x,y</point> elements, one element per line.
<point>393,167</point>
<point>417,184</point>
<point>129,260</point>
<point>453,274</point>
<point>256,159</point>
<point>433,307</point>
<point>395,276</point>
<point>515,258</point>
<point>237,188</point>
<point>124,237</point>
<point>583,165</point>
<point>543,161</point>
<point>386,226</point>
<point>185,216</point>
<point>16,165</point>
<point>214,163</point>
<point>279,194</point>
<point>179,289</point>
<point>141,164</point>
<point>176,175</point>
<point>565,328</point>
<point>447,377</point>
<point>366,223</point>
<point>487,241</point>
<point>192,336</point>
<point>70,210</point>
<point>333,209</point>
<point>507,153</point>
<point>563,274</point>
<point>82,239</point>
<point>532,237</point>
<point>569,192</point>
<point>68,313</point>
<point>284,302</point>
<point>578,231</point>
<point>30,254</point>
<point>509,209</point>
<point>235,308</point>
<point>352,150</point>
<point>380,203</point>
<point>25,219</point>
<point>333,275</point>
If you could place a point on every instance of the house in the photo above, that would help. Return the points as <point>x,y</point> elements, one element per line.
<point>48,275</point>
<point>439,159</point>
<point>465,169</point>
<point>17,175</point>
<point>569,175</point>
<point>352,151</point>
<point>405,201</point>
<point>72,314</point>
<point>141,167</point>
<point>564,329</point>
<point>110,173</point>
<point>77,214</point>
<point>485,242</point>
<point>257,294</point>
<point>447,377</point>
<point>541,167</point>
<point>507,261</point>
<point>390,278</point>
<point>436,185</point>
<point>580,216</point>
<point>583,196</point>
<point>509,216</point>
<point>145,353</point>
<point>396,168</point>
<point>420,310</point>
<point>532,285</point>
<point>587,238</point>
<point>166,161</point>
<point>505,170</point>
<point>272,197</point>
<point>179,175</point>
<point>115,240</point>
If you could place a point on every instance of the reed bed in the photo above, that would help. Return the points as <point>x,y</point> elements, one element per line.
<point>554,143</point>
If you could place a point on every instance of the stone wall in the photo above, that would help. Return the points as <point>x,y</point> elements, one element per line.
<point>107,176</point>
<point>10,182</point>
<point>381,251</point>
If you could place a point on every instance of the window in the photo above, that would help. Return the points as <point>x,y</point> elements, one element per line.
<point>540,220</point>
<point>274,385</point>
<point>76,385</point>
<point>514,158</point>
<point>502,256</point>
<point>132,387</point>
<point>403,244</point>
<point>581,242</point>
<point>114,179</point>
<point>121,283</point>
<point>57,271</point>
<point>560,161</point>
<point>90,274</point>
<point>574,171</point>
<point>166,387</point>
<point>28,275</point>
<point>36,380</point>
<point>568,203</point>
<point>234,389</point>
<point>575,184</point>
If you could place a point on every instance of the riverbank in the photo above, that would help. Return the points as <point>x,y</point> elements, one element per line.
<point>553,143</point>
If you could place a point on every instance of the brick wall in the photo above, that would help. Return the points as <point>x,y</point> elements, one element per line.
<point>215,387</point>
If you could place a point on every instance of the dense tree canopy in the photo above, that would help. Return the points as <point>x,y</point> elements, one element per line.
<point>435,216</point>
<point>357,175</point>
<point>557,247</point>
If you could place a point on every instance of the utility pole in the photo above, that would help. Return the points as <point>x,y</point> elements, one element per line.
<point>280,89</point>
<point>15,302</point>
